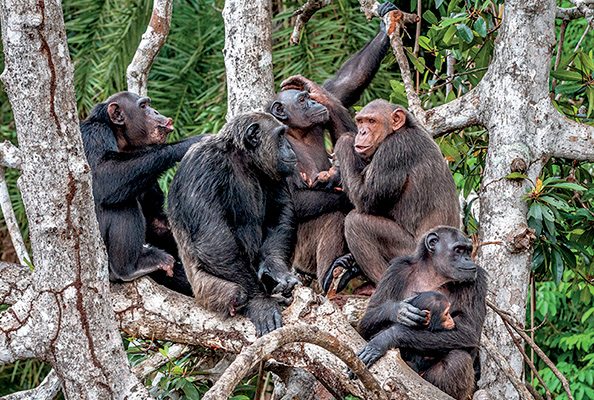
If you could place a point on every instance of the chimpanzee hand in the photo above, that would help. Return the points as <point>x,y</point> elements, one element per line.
<point>283,281</point>
<point>327,179</point>
<point>409,315</point>
<point>341,272</point>
<point>382,10</point>
<point>301,83</point>
<point>369,354</point>
<point>264,312</point>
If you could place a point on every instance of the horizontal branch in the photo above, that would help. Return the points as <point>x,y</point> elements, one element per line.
<point>266,345</point>
<point>47,390</point>
<point>566,138</point>
<point>457,114</point>
<point>568,13</point>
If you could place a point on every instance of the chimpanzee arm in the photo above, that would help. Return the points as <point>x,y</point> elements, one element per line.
<point>340,121</point>
<point>310,203</point>
<point>356,74</point>
<point>370,186</point>
<point>276,250</point>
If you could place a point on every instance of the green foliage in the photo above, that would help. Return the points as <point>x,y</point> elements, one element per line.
<point>567,336</point>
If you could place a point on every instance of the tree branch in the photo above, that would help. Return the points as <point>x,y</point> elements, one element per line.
<point>143,369</point>
<point>47,390</point>
<point>506,368</point>
<point>14,281</point>
<point>585,7</point>
<point>304,14</point>
<point>10,155</point>
<point>571,139</point>
<point>11,221</point>
<point>457,114</point>
<point>266,345</point>
<point>151,44</point>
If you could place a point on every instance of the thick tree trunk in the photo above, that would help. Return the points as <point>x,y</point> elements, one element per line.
<point>248,55</point>
<point>63,317</point>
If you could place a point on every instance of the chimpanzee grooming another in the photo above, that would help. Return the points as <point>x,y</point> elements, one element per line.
<point>124,140</point>
<point>439,318</point>
<point>442,263</point>
<point>232,216</point>
<point>400,184</point>
<point>319,207</point>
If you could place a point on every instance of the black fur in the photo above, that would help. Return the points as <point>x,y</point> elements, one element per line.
<point>439,266</point>
<point>232,215</point>
<point>128,200</point>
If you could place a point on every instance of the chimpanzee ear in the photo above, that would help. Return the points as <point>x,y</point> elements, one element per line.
<point>278,110</point>
<point>252,136</point>
<point>431,242</point>
<point>116,114</point>
<point>397,119</point>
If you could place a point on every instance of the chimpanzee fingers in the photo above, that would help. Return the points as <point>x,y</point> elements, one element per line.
<point>293,82</point>
<point>369,355</point>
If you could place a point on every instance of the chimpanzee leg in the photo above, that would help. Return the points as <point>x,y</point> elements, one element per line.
<point>319,242</point>
<point>453,375</point>
<point>374,241</point>
<point>123,232</point>
<point>217,294</point>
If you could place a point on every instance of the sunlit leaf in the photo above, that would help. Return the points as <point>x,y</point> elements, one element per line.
<point>465,33</point>
<point>480,26</point>
<point>430,17</point>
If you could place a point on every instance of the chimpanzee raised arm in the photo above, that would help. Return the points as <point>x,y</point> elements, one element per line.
<point>124,140</point>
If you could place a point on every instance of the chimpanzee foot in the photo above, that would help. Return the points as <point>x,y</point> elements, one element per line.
<point>340,274</point>
<point>167,264</point>
<point>265,314</point>
<point>237,301</point>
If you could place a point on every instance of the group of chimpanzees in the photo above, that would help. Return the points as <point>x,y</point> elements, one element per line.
<point>262,198</point>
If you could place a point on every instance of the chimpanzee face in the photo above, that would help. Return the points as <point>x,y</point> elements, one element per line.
<point>451,252</point>
<point>374,124</point>
<point>272,153</point>
<point>298,110</point>
<point>137,123</point>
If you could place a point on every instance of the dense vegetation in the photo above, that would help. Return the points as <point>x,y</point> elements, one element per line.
<point>187,83</point>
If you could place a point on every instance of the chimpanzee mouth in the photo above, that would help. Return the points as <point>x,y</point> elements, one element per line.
<point>169,126</point>
<point>362,149</point>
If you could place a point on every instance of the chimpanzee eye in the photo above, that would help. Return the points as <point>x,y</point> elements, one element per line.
<point>371,121</point>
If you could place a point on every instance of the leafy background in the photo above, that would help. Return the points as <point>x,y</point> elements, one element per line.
<point>187,83</point>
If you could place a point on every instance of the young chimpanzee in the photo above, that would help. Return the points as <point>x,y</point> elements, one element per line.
<point>437,306</point>
<point>442,263</point>
<point>400,184</point>
<point>124,140</point>
<point>232,216</point>
<point>320,208</point>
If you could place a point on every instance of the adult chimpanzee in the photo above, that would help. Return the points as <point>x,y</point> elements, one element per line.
<point>442,263</point>
<point>319,207</point>
<point>124,140</point>
<point>400,184</point>
<point>232,217</point>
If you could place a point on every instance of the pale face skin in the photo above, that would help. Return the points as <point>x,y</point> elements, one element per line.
<point>374,125</point>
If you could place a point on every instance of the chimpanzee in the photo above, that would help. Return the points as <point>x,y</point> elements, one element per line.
<point>232,216</point>
<point>400,184</point>
<point>439,318</point>
<point>320,208</point>
<point>442,263</point>
<point>124,140</point>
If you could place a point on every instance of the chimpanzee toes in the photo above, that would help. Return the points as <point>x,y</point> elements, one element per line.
<point>385,8</point>
<point>343,270</point>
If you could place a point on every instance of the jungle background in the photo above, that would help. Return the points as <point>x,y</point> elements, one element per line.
<point>187,83</point>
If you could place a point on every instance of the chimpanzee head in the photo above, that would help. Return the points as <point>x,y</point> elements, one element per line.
<point>375,122</point>
<point>135,123</point>
<point>262,139</point>
<point>297,109</point>
<point>438,307</point>
<point>449,251</point>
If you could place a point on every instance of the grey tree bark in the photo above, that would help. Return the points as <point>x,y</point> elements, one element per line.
<point>248,55</point>
<point>63,316</point>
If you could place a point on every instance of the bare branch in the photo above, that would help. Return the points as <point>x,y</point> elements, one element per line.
<point>14,280</point>
<point>11,221</point>
<point>506,368</point>
<point>570,139</point>
<point>151,44</point>
<point>585,7</point>
<point>304,14</point>
<point>266,345</point>
<point>10,155</point>
<point>47,390</point>
<point>457,114</point>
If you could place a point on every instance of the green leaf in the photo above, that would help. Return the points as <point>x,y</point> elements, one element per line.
<point>590,95</point>
<point>515,175</point>
<point>547,213</point>
<point>568,185</point>
<point>450,32</point>
<point>438,3</point>
<point>557,267</point>
<point>425,43</point>
<point>417,64</point>
<point>535,212</point>
<point>190,390</point>
<point>586,62</point>
<point>465,33</point>
<point>452,21</point>
<point>430,17</point>
<point>480,26</point>
<point>557,203</point>
<point>587,315</point>
<point>568,88</point>
<point>565,75</point>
